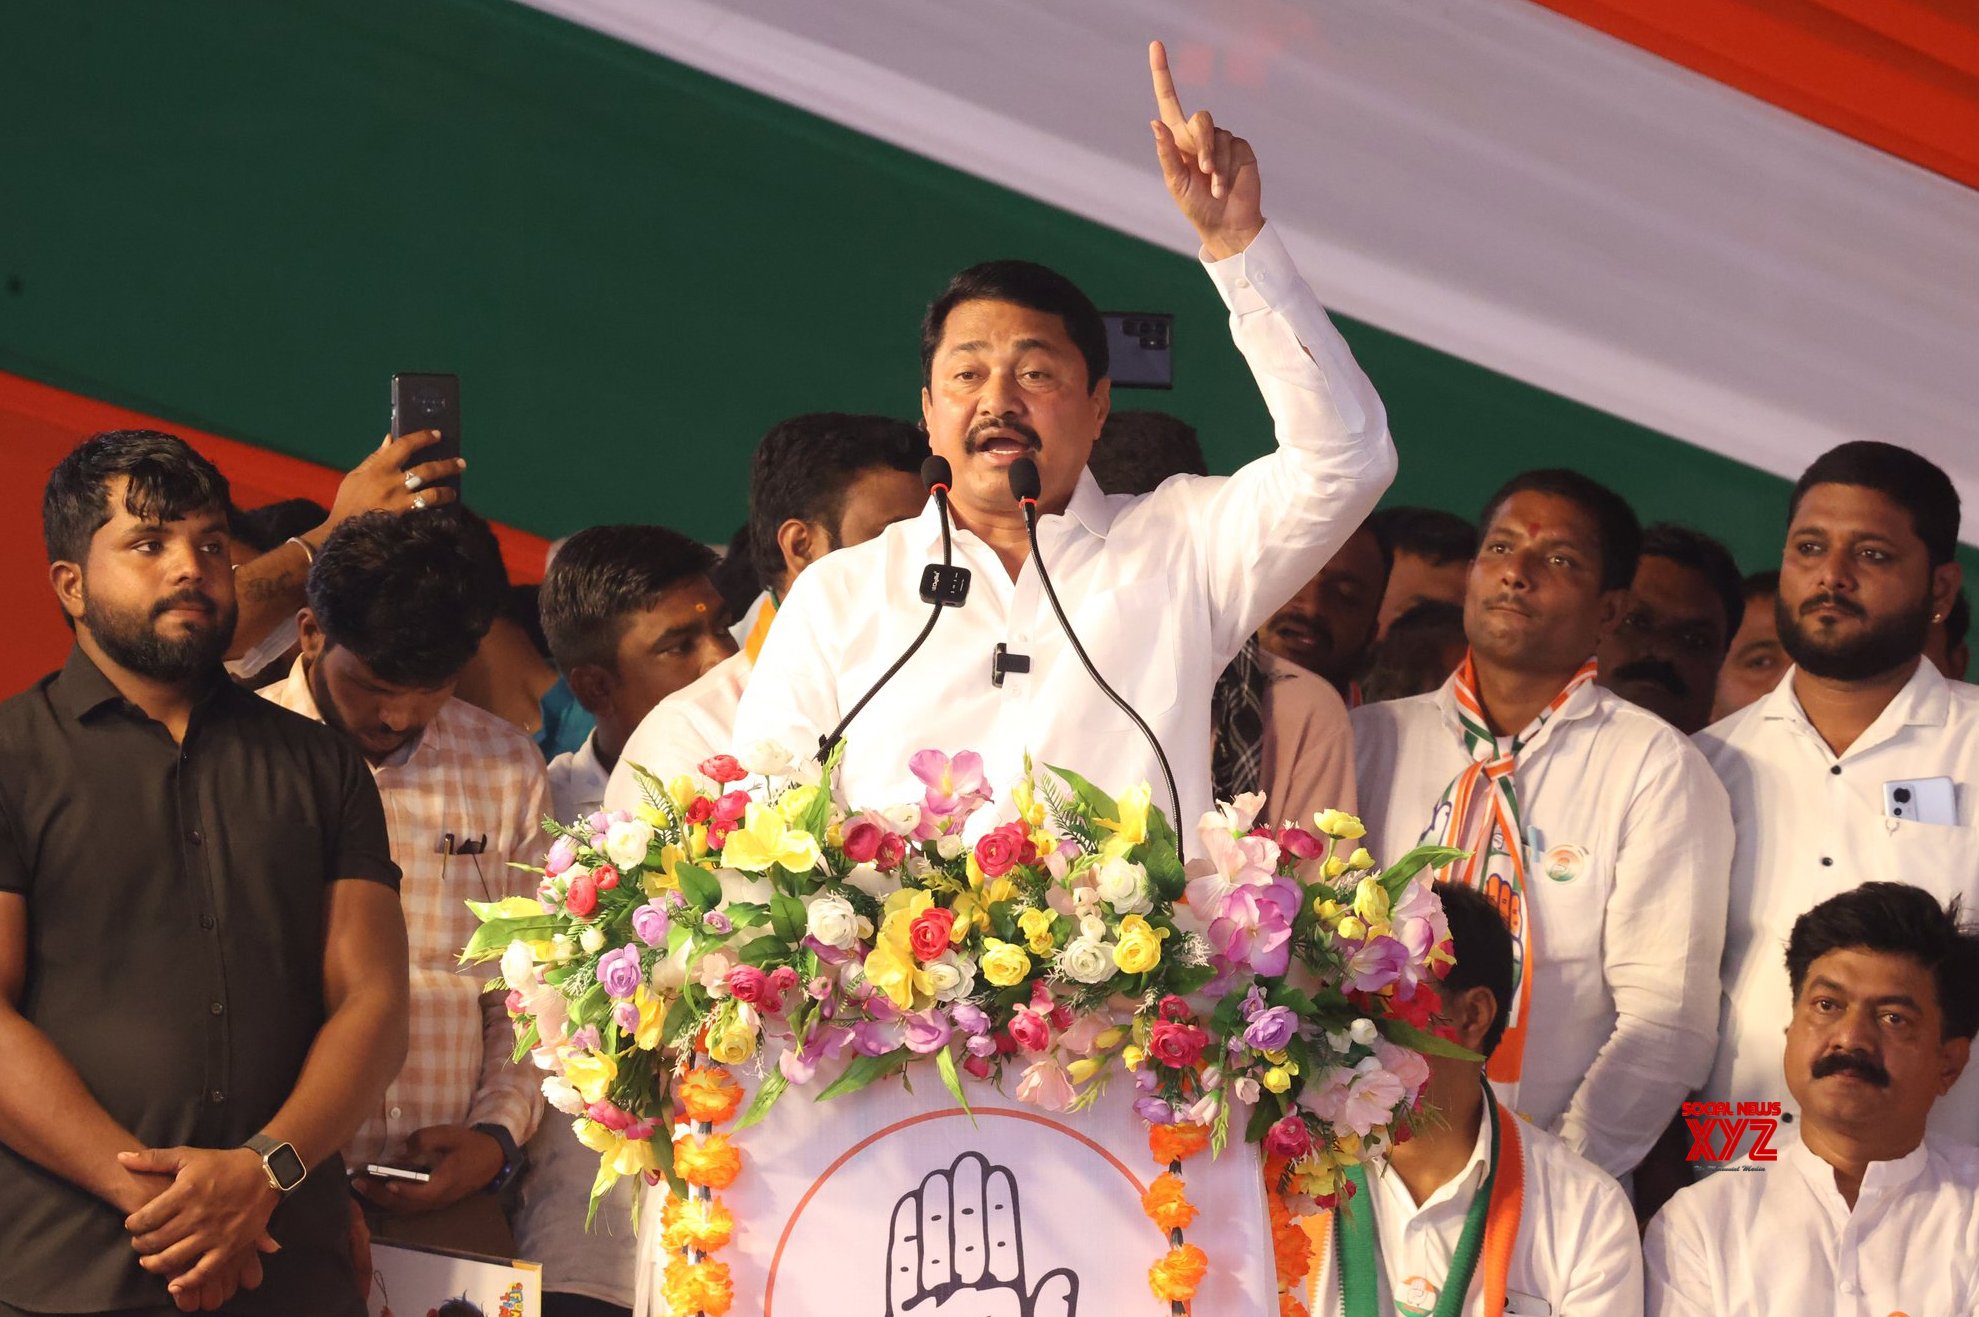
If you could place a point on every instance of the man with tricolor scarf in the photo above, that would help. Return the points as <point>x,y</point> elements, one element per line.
<point>1478,1212</point>
<point>1595,827</point>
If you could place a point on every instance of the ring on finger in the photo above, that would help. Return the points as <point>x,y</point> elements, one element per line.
<point>412,483</point>
<point>418,500</point>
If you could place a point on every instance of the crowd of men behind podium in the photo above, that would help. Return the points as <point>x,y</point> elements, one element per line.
<point>481,706</point>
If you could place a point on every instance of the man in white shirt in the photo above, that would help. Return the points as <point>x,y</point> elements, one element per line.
<point>1565,1239</point>
<point>1594,825</point>
<point>1860,1216</point>
<point>1860,765</point>
<point>818,483</point>
<point>1163,589</point>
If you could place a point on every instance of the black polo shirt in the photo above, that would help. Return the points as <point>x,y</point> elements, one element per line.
<point>176,905</point>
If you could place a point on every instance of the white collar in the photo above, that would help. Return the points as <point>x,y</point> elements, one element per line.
<point>1464,1183</point>
<point>1924,701</point>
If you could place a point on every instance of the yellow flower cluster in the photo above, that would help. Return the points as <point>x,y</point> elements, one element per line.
<point>891,966</point>
<point>1003,963</point>
<point>1138,948</point>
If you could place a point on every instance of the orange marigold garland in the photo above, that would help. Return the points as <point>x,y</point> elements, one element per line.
<point>1176,1274</point>
<point>1291,1247</point>
<point>700,1225</point>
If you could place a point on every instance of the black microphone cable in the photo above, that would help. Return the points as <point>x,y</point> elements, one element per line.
<point>944,586</point>
<point>1025,486</point>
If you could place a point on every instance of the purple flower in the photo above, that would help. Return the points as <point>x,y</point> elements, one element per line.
<point>796,1067</point>
<point>717,922</point>
<point>563,854</point>
<point>981,1045</point>
<point>1154,1111</point>
<point>1271,1029</point>
<point>1377,964</point>
<point>928,1032</point>
<point>877,1037</point>
<point>599,822</point>
<point>619,972</point>
<point>627,1016</point>
<point>587,1039</point>
<point>650,924</point>
<point>969,1017</point>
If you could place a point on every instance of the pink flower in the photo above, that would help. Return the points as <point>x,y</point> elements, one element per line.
<point>1002,849</point>
<point>1250,923</point>
<point>1029,1030</point>
<point>1378,963</point>
<point>609,1116</point>
<point>928,1032</point>
<point>782,979</point>
<point>1299,843</point>
<point>582,898</point>
<point>892,850</point>
<point>563,854</point>
<point>1177,1046</point>
<point>731,808</point>
<point>862,840</point>
<point>713,972</point>
<point>977,1067</point>
<point>1288,1138</point>
<point>721,770</point>
<point>1410,1067</point>
<point>1372,1097</point>
<point>955,789</point>
<point>747,983</point>
<point>1045,1084</point>
<point>606,877</point>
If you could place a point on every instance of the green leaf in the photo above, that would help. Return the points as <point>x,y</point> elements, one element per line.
<point>1096,803</point>
<point>1263,1116</point>
<point>663,1153</point>
<point>655,793</point>
<point>525,1042</point>
<point>945,1063</point>
<point>863,1071</point>
<point>747,914</point>
<point>1421,1040</point>
<point>763,951</point>
<point>492,938</point>
<point>1299,1004</point>
<point>766,1097</point>
<point>788,917</point>
<point>1219,1133</point>
<point>699,886</point>
<point>1396,876</point>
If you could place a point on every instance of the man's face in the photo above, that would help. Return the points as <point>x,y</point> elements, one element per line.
<point>156,597</point>
<point>1865,1049</point>
<point>876,498</point>
<point>666,646</point>
<point>1007,382</point>
<point>1414,579</point>
<point>1756,660</point>
<point>1534,601</point>
<point>1327,626</point>
<point>380,716</point>
<point>1857,589</point>
<point>1665,653</point>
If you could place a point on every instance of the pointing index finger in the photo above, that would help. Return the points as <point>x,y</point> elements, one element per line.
<point>1165,99</point>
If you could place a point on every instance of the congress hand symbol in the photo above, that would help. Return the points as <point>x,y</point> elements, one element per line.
<point>957,1250</point>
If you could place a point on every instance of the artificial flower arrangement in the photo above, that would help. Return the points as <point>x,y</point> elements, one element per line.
<point>742,916</point>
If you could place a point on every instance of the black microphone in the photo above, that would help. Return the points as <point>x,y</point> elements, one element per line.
<point>943,585</point>
<point>1025,486</point>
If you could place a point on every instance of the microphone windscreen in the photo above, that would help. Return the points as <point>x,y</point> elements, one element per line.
<point>935,471</point>
<point>1024,483</point>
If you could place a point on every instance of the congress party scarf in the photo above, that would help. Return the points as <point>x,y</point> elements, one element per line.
<point>1479,812</point>
<point>1491,1228</point>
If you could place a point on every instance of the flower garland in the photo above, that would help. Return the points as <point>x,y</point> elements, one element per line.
<point>698,1225</point>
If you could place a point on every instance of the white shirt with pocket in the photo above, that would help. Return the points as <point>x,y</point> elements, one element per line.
<point>1812,825</point>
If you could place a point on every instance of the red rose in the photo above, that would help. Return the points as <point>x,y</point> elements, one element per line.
<point>1177,1046</point>
<point>891,852</point>
<point>582,898</point>
<point>607,877</point>
<point>978,1067</point>
<point>1421,1004</point>
<point>731,807</point>
<point>1288,1138</point>
<point>997,853</point>
<point>721,770</point>
<point>1029,1031</point>
<point>862,841</point>
<point>1174,1008</point>
<point>700,809</point>
<point>1300,844</point>
<point>928,934</point>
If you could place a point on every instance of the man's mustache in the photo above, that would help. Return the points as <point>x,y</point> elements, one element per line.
<point>1853,1063</point>
<point>183,599</point>
<point>972,442</point>
<point>1656,671</point>
<point>1836,602</point>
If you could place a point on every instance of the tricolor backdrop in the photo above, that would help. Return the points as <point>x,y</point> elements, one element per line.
<point>1682,244</point>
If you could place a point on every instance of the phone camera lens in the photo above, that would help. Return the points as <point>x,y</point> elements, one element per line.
<point>1902,794</point>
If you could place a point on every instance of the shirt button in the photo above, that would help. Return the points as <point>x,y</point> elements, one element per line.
<point>1827,861</point>
<point>1848,1287</point>
<point>1836,770</point>
<point>218,1008</point>
<point>395,1113</point>
<point>195,837</point>
<point>206,921</point>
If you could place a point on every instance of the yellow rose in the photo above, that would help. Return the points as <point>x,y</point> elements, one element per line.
<point>1352,929</point>
<point>617,1155</point>
<point>1082,1069</point>
<point>1138,949</point>
<point>1276,1079</point>
<point>652,1015</point>
<point>1004,964</point>
<point>1132,1056</point>
<point>735,1043</point>
<point>1339,823</point>
<point>681,791</point>
<point>1333,868</point>
<point>590,1073</point>
<point>794,802</point>
<point>1360,859</point>
<point>1037,930</point>
<point>1326,908</point>
<point>1371,902</point>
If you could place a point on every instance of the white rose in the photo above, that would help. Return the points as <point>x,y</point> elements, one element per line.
<point>948,846</point>
<point>903,819</point>
<point>767,759</point>
<point>950,976</point>
<point>518,965</point>
<point>1123,885</point>
<point>834,922</point>
<point>1092,926</point>
<point>592,939</point>
<point>1246,1090</point>
<point>628,841</point>
<point>566,950</point>
<point>1339,1042</point>
<point>563,1095</point>
<point>1363,1032</point>
<point>1086,960</point>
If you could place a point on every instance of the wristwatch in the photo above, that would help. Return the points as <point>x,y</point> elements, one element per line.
<point>279,1161</point>
<point>512,1156</point>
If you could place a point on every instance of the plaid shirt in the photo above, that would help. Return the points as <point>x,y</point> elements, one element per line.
<point>471,775</point>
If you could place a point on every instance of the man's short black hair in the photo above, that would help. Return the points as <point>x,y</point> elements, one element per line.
<point>1762,585</point>
<point>167,480</point>
<point>1408,659</point>
<point>735,576</point>
<point>1436,536</point>
<point>268,527</point>
<point>1482,944</point>
<point>1705,556</point>
<point>1614,520</point>
<point>411,595</point>
<point>1909,480</point>
<point>805,466</point>
<point>1900,920</point>
<point>601,577</point>
<point>1138,450</point>
<point>1029,285</point>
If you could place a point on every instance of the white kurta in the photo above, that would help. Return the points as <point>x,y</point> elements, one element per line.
<point>1163,589</point>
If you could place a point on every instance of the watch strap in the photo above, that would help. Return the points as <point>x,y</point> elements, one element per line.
<point>512,1156</point>
<point>269,1149</point>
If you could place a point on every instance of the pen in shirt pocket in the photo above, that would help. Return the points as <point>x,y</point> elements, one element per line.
<point>452,844</point>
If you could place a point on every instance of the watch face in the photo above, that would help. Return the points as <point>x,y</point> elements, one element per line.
<point>286,1167</point>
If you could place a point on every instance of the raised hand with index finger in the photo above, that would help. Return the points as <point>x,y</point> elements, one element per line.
<point>1211,173</point>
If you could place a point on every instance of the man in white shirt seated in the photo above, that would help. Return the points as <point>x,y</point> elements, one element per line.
<point>631,617</point>
<point>1860,765</point>
<point>1478,1199</point>
<point>1592,824</point>
<point>1860,1214</point>
<point>819,483</point>
<point>1163,589</point>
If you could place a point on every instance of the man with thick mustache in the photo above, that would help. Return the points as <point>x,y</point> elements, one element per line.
<point>1685,604</point>
<point>1163,589</point>
<point>1859,1213</point>
<point>1859,766</point>
<point>1595,826</point>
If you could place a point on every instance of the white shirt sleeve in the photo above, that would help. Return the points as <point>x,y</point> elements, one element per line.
<point>1606,1280</point>
<point>1661,940</point>
<point>792,697</point>
<point>1677,1265</point>
<point>1266,531</point>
